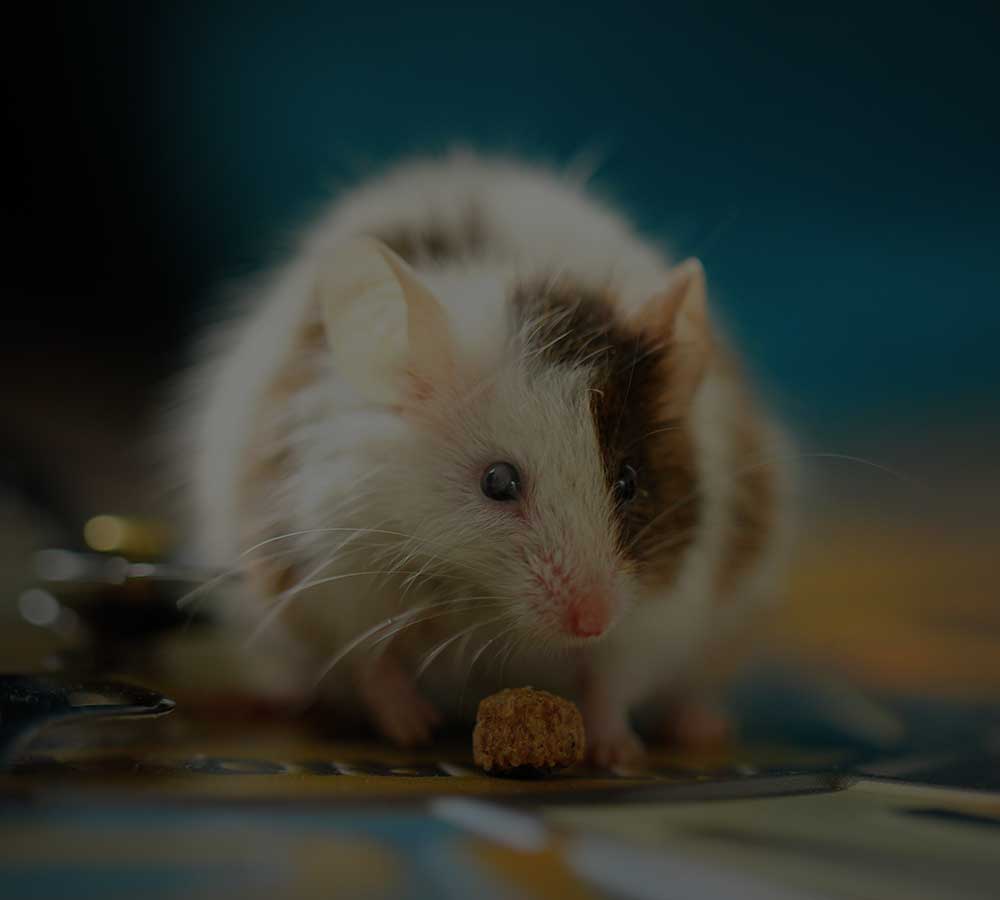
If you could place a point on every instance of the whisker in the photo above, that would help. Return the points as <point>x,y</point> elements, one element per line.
<point>385,623</point>
<point>583,360</point>
<point>741,473</point>
<point>468,672</point>
<point>412,580</point>
<point>511,646</point>
<point>333,529</point>
<point>503,646</point>
<point>282,600</point>
<point>624,400</point>
<point>846,457</point>
<point>195,592</point>
<point>392,634</point>
<point>330,578</point>
<point>655,431</point>
<point>438,649</point>
<point>486,646</point>
<point>651,350</point>
<point>538,351</point>
<point>374,531</point>
<point>677,539</point>
<point>351,499</point>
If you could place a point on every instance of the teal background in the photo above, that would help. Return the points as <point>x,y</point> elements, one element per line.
<point>836,166</point>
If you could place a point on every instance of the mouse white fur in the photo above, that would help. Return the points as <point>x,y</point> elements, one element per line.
<point>477,432</point>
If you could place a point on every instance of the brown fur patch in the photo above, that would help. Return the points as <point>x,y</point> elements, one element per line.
<point>634,382</point>
<point>436,240</point>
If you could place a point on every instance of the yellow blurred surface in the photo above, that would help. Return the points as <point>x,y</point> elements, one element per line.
<point>898,609</point>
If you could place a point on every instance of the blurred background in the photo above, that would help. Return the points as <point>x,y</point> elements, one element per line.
<point>835,169</point>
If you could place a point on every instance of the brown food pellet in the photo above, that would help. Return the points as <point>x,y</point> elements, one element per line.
<point>524,730</point>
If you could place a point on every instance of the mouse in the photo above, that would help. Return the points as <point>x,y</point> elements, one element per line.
<point>476,432</point>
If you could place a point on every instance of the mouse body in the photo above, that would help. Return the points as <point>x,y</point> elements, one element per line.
<point>477,433</point>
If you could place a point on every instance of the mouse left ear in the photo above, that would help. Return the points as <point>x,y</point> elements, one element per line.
<point>679,317</point>
<point>388,333</point>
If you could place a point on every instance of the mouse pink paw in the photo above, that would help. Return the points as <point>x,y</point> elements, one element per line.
<point>394,704</point>
<point>697,726</point>
<point>620,747</point>
<point>611,742</point>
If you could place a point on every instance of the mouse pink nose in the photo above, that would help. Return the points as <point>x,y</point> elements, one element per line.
<point>588,615</point>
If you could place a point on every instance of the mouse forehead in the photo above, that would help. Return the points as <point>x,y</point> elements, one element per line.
<point>542,415</point>
<point>601,388</point>
<point>576,335</point>
<point>540,418</point>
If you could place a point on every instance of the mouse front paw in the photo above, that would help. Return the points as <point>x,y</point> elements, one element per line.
<point>395,706</point>
<point>619,747</point>
<point>697,726</point>
<point>611,742</point>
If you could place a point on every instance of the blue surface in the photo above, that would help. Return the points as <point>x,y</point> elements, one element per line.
<point>126,852</point>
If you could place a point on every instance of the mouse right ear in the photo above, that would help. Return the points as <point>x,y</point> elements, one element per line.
<point>388,333</point>
<point>679,315</point>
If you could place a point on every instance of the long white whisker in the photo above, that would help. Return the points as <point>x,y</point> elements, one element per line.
<point>475,659</point>
<point>370,632</point>
<point>655,431</point>
<point>628,390</point>
<point>538,351</point>
<point>326,580</point>
<point>385,637</point>
<point>282,601</point>
<point>485,646</point>
<point>350,500</point>
<point>412,580</point>
<point>341,529</point>
<point>435,652</point>
<point>222,576</point>
<point>513,644</point>
<point>895,473</point>
<point>582,361</point>
<point>740,473</point>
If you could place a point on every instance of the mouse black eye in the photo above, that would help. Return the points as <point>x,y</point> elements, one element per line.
<point>624,486</point>
<point>502,482</point>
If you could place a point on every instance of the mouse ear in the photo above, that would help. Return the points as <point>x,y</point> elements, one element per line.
<point>679,316</point>
<point>387,331</point>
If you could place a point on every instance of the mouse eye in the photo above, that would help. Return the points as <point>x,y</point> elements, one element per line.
<point>624,486</point>
<point>502,482</point>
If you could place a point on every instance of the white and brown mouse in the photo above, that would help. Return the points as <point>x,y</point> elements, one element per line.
<point>478,433</point>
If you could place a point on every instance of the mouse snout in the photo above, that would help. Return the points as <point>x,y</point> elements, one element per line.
<point>588,614</point>
<point>578,601</point>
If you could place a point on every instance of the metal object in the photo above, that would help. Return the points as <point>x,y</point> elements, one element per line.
<point>31,703</point>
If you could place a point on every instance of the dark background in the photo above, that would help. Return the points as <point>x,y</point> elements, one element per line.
<point>836,168</point>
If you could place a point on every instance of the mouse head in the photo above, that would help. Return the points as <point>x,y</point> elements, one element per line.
<point>557,476</point>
